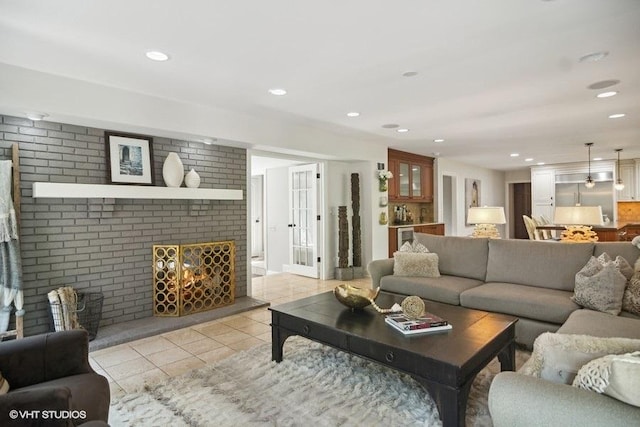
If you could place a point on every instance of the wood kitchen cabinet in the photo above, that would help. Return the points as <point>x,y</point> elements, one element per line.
<point>429,229</point>
<point>412,177</point>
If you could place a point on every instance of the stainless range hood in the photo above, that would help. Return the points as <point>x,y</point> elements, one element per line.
<point>570,190</point>
<point>577,178</point>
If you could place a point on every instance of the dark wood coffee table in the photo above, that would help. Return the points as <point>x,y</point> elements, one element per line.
<point>445,363</point>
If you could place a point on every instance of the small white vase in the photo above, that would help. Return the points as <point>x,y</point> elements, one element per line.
<point>173,171</point>
<point>192,179</point>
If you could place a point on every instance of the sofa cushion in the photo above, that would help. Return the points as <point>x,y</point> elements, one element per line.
<point>413,264</point>
<point>617,376</point>
<point>445,288</point>
<point>600,286</point>
<point>536,263</point>
<point>590,322</point>
<point>549,305</point>
<point>559,357</point>
<point>459,256</point>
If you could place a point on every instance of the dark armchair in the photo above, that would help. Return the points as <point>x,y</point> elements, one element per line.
<point>51,381</point>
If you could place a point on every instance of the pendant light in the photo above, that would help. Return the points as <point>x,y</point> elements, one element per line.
<point>619,184</point>
<point>589,183</point>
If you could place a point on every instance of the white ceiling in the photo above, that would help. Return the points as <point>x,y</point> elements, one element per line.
<point>494,76</point>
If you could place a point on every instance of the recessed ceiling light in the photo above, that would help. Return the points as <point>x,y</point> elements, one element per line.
<point>277,92</point>
<point>156,55</point>
<point>607,94</point>
<point>514,154</point>
<point>409,74</point>
<point>36,117</point>
<point>597,159</point>
<point>438,140</point>
<point>529,159</point>
<point>353,114</point>
<point>540,163</point>
<point>390,126</point>
<point>603,84</point>
<point>594,57</point>
<point>402,130</point>
<point>209,141</point>
<point>617,115</point>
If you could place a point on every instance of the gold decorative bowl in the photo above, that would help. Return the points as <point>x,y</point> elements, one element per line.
<point>354,297</point>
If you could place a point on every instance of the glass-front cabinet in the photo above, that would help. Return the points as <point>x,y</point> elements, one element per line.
<point>412,177</point>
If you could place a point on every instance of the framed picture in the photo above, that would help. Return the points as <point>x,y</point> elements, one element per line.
<point>471,196</point>
<point>129,158</point>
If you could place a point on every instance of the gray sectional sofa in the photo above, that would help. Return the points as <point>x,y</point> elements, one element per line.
<point>534,281</point>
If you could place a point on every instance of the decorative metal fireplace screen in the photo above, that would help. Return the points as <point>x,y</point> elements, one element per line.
<point>193,278</point>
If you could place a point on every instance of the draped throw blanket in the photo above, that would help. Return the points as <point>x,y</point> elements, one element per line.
<point>10,262</point>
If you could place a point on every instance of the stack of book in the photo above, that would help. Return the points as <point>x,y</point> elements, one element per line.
<point>427,323</point>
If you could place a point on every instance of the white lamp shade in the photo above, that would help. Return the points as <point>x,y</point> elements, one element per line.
<point>578,215</point>
<point>486,215</point>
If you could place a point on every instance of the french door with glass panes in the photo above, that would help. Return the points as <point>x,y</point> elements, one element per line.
<point>303,220</point>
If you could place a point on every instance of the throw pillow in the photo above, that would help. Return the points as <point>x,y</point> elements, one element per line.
<point>620,262</point>
<point>4,385</point>
<point>414,247</point>
<point>600,286</point>
<point>617,376</point>
<point>559,357</point>
<point>631,298</point>
<point>415,264</point>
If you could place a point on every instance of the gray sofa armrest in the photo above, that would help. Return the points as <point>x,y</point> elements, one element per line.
<point>378,269</point>
<point>46,357</point>
<point>523,401</point>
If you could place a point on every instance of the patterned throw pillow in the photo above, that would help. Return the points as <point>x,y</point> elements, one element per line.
<point>559,357</point>
<point>631,298</point>
<point>620,262</point>
<point>600,286</point>
<point>414,247</point>
<point>617,376</point>
<point>415,264</point>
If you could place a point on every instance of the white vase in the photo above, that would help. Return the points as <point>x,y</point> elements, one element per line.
<point>192,179</point>
<point>172,171</point>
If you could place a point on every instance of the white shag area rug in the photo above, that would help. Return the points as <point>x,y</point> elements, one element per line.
<point>314,385</point>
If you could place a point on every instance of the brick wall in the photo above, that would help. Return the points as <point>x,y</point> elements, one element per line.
<point>105,246</point>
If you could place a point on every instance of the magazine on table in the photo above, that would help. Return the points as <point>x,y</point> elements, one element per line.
<point>427,323</point>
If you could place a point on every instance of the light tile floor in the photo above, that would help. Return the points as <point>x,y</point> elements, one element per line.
<point>129,366</point>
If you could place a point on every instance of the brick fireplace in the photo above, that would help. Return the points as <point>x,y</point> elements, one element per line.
<point>106,245</point>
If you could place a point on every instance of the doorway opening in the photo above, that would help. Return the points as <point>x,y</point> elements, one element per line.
<point>520,195</point>
<point>448,204</point>
<point>286,230</point>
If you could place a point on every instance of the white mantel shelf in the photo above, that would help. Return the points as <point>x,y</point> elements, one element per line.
<point>101,191</point>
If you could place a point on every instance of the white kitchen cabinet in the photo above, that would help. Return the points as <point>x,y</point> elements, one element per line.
<point>628,173</point>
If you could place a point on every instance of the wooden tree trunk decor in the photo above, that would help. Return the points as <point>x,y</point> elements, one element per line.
<point>355,221</point>
<point>343,237</point>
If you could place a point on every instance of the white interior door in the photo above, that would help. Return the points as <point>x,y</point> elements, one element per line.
<point>303,220</point>
<point>257,222</point>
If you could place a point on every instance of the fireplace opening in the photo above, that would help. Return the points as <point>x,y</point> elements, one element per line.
<point>193,278</point>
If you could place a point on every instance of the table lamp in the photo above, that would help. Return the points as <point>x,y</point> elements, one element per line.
<point>578,221</point>
<point>485,219</point>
